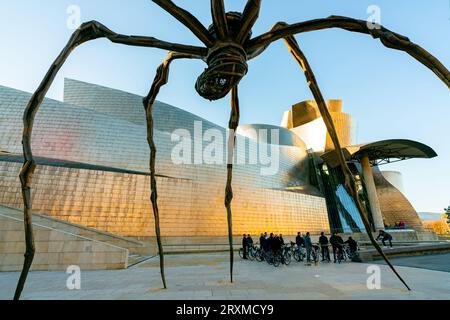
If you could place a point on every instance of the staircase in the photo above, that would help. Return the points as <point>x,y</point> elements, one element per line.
<point>60,243</point>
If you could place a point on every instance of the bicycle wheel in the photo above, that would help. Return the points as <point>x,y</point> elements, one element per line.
<point>345,255</point>
<point>276,261</point>
<point>315,256</point>
<point>269,259</point>
<point>259,255</point>
<point>241,253</point>
<point>287,258</point>
<point>302,255</point>
<point>251,254</point>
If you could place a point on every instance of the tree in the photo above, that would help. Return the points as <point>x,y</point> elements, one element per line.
<point>447,214</point>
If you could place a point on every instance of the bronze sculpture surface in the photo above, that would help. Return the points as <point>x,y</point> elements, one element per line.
<point>228,47</point>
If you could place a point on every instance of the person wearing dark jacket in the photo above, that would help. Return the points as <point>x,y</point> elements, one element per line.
<point>281,240</point>
<point>323,241</point>
<point>384,236</point>
<point>249,240</point>
<point>352,244</point>
<point>270,241</point>
<point>276,244</point>
<point>262,239</point>
<point>300,242</point>
<point>308,246</point>
<point>266,245</point>
<point>245,245</point>
<point>336,242</point>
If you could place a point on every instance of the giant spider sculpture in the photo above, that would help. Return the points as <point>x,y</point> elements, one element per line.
<point>228,47</point>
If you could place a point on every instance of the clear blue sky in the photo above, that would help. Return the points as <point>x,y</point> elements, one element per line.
<point>389,93</point>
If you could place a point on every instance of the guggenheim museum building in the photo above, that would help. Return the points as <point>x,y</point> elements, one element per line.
<point>93,169</point>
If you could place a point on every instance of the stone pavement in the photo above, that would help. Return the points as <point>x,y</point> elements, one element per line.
<point>205,276</point>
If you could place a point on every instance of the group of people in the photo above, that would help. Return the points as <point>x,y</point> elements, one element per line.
<point>247,242</point>
<point>274,242</point>
<point>269,244</point>
<point>401,225</point>
<point>336,242</point>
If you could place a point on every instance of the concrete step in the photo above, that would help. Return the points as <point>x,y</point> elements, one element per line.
<point>55,249</point>
<point>406,251</point>
<point>132,245</point>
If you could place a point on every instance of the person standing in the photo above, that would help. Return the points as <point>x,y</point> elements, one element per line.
<point>270,241</point>
<point>261,241</point>
<point>249,241</point>
<point>308,246</point>
<point>276,244</point>
<point>336,243</point>
<point>323,241</point>
<point>245,245</point>
<point>300,242</point>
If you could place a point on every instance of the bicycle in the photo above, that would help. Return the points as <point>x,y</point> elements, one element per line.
<point>260,255</point>
<point>271,258</point>
<point>276,258</point>
<point>315,254</point>
<point>341,255</point>
<point>299,254</point>
<point>250,253</point>
<point>351,254</point>
<point>292,249</point>
<point>285,255</point>
<point>327,256</point>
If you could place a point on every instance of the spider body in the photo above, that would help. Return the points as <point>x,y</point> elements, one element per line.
<point>227,65</point>
<point>228,46</point>
<point>226,60</point>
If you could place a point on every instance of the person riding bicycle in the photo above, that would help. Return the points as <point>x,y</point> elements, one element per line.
<point>323,241</point>
<point>352,244</point>
<point>336,243</point>
<point>308,246</point>
<point>385,237</point>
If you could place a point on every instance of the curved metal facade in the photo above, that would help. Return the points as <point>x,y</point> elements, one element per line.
<point>395,207</point>
<point>98,173</point>
<point>305,120</point>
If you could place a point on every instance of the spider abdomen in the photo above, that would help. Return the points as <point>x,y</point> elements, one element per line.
<point>227,65</point>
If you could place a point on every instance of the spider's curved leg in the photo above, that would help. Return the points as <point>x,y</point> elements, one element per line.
<point>219,18</point>
<point>249,17</point>
<point>350,182</point>
<point>161,78</point>
<point>232,125</point>
<point>186,18</point>
<point>88,31</point>
<point>387,37</point>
